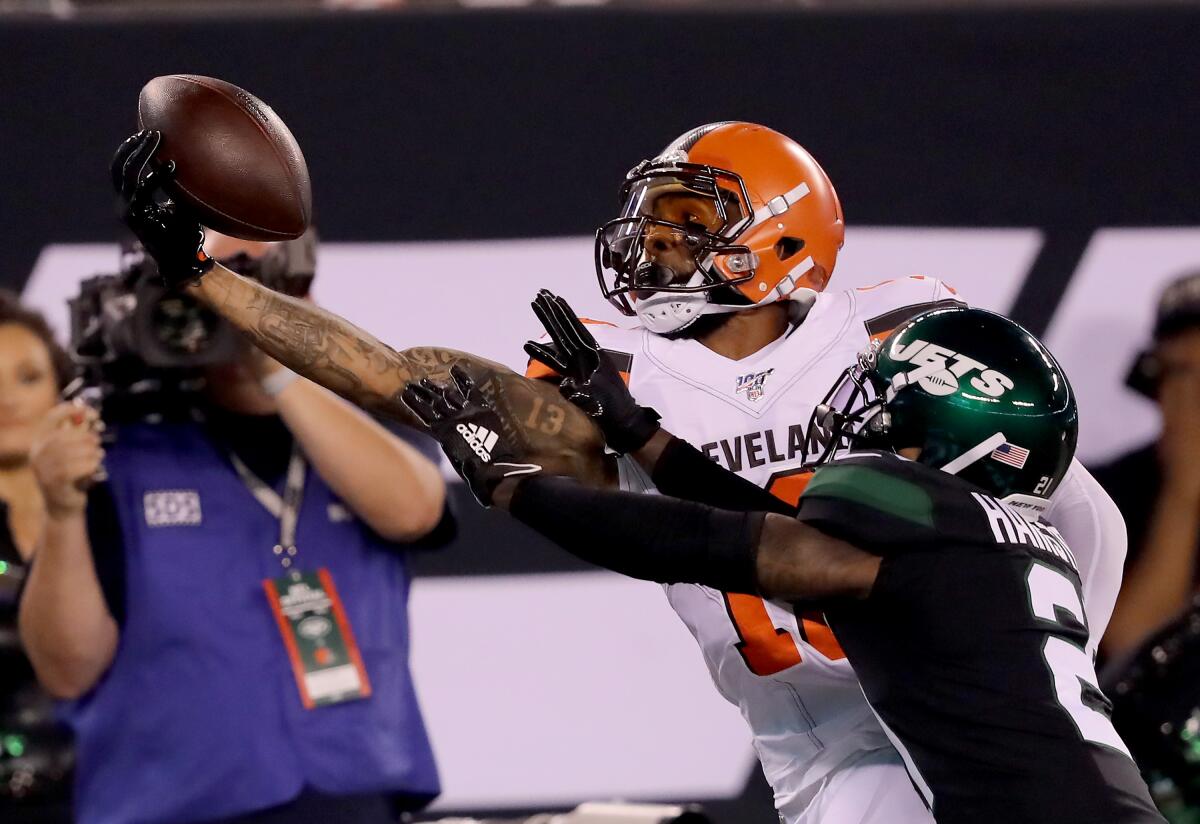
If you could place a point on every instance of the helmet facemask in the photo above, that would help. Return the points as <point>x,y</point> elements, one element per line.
<point>633,275</point>
<point>852,414</point>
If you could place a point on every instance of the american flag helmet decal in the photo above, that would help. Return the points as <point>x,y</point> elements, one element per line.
<point>1011,454</point>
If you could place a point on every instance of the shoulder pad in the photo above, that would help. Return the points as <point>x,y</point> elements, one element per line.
<point>884,306</point>
<point>876,480</point>
<point>905,290</point>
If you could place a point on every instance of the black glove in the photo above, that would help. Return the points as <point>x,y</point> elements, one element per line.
<point>462,420</point>
<point>166,228</point>
<point>591,380</point>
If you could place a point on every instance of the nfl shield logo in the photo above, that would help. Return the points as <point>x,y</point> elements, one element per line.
<point>752,384</point>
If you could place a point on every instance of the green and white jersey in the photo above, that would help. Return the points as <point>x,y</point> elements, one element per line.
<point>971,649</point>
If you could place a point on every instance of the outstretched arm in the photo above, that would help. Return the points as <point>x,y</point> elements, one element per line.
<point>333,352</point>
<point>652,537</point>
<point>680,470</point>
<point>316,343</point>
<point>796,561</point>
<point>327,349</point>
<point>663,539</point>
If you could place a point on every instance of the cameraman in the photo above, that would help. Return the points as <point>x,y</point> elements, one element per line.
<point>1157,486</point>
<point>228,612</point>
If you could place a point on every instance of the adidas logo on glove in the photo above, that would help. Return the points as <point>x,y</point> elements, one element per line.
<point>481,439</point>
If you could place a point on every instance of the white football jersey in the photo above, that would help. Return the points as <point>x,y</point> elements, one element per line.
<point>784,671</point>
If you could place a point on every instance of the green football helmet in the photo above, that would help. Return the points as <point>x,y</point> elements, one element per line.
<point>981,397</point>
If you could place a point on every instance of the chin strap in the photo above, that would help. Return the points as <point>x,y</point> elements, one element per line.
<point>667,312</point>
<point>670,311</point>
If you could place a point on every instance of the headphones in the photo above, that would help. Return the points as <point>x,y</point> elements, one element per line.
<point>1145,374</point>
<point>1178,310</point>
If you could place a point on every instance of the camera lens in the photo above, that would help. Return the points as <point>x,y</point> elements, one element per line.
<point>182,326</point>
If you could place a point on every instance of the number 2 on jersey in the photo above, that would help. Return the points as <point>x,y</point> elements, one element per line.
<point>1070,665</point>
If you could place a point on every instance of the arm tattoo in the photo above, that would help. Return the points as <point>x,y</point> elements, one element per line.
<point>335,353</point>
<point>312,344</point>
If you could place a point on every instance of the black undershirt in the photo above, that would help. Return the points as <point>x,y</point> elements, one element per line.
<point>27,712</point>
<point>14,669</point>
<point>1134,481</point>
<point>264,444</point>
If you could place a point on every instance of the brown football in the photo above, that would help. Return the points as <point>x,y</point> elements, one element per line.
<point>237,163</point>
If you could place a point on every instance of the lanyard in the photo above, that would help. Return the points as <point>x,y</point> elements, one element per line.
<point>286,507</point>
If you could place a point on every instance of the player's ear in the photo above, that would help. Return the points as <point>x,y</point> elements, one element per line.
<point>788,247</point>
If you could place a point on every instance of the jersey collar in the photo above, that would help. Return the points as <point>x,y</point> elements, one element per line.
<point>805,344</point>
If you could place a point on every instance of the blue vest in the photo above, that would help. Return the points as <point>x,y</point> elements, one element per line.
<point>199,716</point>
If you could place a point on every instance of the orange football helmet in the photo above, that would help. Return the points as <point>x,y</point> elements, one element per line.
<point>780,227</point>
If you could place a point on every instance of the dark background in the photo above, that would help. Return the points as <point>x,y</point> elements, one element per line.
<point>490,124</point>
<point>451,124</point>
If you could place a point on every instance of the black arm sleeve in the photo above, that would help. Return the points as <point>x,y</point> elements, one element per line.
<point>684,472</point>
<point>651,537</point>
<point>442,534</point>
<point>108,548</point>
